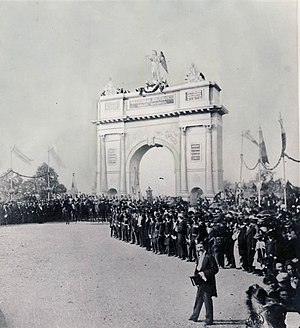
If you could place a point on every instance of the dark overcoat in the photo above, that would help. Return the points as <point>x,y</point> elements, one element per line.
<point>210,269</point>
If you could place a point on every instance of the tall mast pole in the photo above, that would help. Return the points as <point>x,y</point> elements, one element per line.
<point>11,174</point>
<point>239,190</point>
<point>284,181</point>
<point>259,168</point>
<point>242,159</point>
<point>48,176</point>
<point>283,166</point>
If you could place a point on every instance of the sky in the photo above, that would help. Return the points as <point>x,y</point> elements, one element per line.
<point>57,57</point>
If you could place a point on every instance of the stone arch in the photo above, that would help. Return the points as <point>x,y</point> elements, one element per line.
<point>135,156</point>
<point>112,192</point>
<point>194,194</point>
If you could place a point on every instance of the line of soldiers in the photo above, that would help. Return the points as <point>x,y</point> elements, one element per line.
<point>67,208</point>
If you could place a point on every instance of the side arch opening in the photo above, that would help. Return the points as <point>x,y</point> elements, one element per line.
<point>195,193</point>
<point>112,192</point>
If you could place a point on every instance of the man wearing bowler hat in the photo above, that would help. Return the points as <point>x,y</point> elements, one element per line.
<point>206,268</point>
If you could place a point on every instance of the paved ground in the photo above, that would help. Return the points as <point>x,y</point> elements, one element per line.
<point>72,276</point>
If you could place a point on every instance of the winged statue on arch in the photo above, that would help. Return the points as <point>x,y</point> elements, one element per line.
<point>157,60</point>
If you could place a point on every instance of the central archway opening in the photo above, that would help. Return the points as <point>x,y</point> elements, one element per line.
<point>157,171</point>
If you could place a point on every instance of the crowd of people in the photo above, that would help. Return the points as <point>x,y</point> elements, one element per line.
<point>264,241</point>
<point>67,208</point>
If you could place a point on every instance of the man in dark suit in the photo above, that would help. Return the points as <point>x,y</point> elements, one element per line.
<point>207,268</point>
<point>181,236</point>
<point>251,242</point>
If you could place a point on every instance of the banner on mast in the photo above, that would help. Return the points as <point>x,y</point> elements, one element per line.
<point>58,161</point>
<point>262,147</point>
<point>21,155</point>
<point>248,136</point>
<point>283,137</point>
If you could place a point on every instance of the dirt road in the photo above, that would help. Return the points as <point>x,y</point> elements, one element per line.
<point>72,276</point>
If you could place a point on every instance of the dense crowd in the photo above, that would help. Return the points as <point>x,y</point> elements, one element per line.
<point>264,241</point>
<point>67,208</point>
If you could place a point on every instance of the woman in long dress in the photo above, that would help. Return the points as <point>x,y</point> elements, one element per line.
<point>236,253</point>
<point>260,254</point>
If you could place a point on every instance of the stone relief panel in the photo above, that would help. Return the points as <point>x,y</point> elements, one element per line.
<point>149,134</point>
<point>196,94</point>
<point>170,136</point>
<point>111,105</point>
<point>151,102</point>
<point>112,153</point>
<point>112,156</point>
<point>196,153</point>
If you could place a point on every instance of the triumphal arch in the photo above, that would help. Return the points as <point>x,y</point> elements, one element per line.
<point>185,118</point>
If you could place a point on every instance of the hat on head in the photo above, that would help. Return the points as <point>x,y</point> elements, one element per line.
<point>264,229</point>
<point>282,277</point>
<point>269,279</point>
<point>258,235</point>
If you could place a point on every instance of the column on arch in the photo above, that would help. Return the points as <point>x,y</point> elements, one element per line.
<point>103,169</point>
<point>183,173</point>
<point>98,165</point>
<point>217,154</point>
<point>209,163</point>
<point>122,175</point>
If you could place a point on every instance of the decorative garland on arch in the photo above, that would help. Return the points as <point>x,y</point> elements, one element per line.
<point>272,168</point>
<point>251,169</point>
<point>28,176</point>
<point>5,174</point>
<point>291,158</point>
<point>23,175</point>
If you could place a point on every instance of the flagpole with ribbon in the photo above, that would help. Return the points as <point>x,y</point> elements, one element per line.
<point>56,160</point>
<point>283,146</point>
<point>241,156</point>
<point>11,162</point>
<point>11,190</point>
<point>259,166</point>
<point>284,182</point>
<point>48,175</point>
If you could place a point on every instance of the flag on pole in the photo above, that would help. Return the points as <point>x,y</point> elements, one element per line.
<point>283,138</point>
<point>73,190</point>
<point>21,156</point>
<point>262,148</point>
<point>163,61</point>
<point>58,161</point>
<point>248,136</point>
